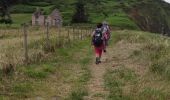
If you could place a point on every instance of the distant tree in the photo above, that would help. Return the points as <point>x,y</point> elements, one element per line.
<point>4,11</point>
<point>80,15</point>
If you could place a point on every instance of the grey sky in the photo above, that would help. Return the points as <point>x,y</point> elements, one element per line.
<point>167,1</point>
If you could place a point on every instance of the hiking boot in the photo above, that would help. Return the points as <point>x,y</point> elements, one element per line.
<point>97,60</point>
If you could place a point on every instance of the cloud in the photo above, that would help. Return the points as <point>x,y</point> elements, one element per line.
<point>167,1</point>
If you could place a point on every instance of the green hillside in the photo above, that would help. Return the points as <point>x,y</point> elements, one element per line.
<point>147,15</point>
<point>115,17</point>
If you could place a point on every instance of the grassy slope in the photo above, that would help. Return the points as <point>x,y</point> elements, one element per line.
<point>65,75</point>
<point>18,19</point>
<point>140,68</point>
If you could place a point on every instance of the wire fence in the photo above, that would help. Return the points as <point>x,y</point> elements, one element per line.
<point>33,44</point>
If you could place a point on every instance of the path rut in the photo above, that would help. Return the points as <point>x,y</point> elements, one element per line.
<point>95,86</point>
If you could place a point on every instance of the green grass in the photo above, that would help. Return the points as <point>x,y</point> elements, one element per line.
<point>152,94</point>
<point>78,94</point>
<point>79,90</point>
<point>19,19</point>
<point>150,52</point>
<point>22,88</point>
<point>115,80</point>
<point>67,68</point>
<point>41,4</point>
<point>22,9</point>
<point>155,49</point>
<point>122,22</point>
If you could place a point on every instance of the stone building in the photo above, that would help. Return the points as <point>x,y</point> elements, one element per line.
<point>38,18</point>
<point>54,19</point>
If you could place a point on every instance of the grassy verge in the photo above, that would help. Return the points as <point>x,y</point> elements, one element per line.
<point>79,90</point>
<point>154,49</point>
<point>63,75</point>
<point>145,60</point>
<point>116,80</point>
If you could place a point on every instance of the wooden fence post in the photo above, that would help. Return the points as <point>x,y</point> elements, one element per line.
<point>59,37</point>
<point>73,33</point>
<point>68,35</point>
<point>47,37</point>
<point>25,43</point>
<point>86,31</point>
<point>79,33</point>
<point>82,33</point>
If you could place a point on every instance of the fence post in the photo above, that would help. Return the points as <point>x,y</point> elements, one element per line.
<point>25,43</point>
<point>87,31</point>
<point>47,36</point>
<point>59,37</point>
<point>77,33</point>
<point>68,34</point>
<point>90,31</point>
<point>81,33</point>
<point>73,33</point>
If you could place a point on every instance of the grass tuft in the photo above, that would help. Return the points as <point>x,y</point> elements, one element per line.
<point>78,94</point>
<point>37,74</point>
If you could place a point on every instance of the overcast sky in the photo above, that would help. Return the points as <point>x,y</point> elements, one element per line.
<point>167,1</point>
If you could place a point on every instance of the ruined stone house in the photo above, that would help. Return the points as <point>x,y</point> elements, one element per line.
<point>38,18</point>
<point>54,19</point>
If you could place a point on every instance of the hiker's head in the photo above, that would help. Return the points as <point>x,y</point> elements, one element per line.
<point>99,25</point>
<point>105,23</point>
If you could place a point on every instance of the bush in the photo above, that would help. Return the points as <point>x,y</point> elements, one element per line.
<point>6,21</point>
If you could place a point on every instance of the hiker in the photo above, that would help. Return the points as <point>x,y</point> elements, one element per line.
<point>97,41</point>
<point>106,35</point>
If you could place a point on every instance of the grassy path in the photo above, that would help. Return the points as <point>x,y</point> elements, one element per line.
<point>96,85</point>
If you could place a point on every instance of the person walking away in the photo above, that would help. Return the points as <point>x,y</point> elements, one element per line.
<point>97,42</point>
<point>106,34</point>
